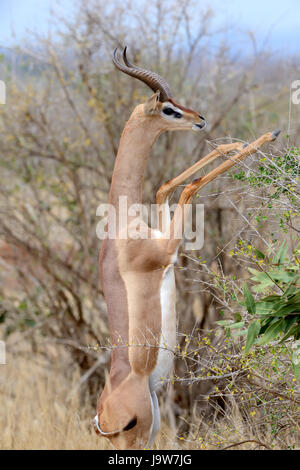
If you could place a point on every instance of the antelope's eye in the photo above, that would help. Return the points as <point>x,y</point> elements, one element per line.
<point>177,115</point>
<point>168,111</point>
<point>130,425</point>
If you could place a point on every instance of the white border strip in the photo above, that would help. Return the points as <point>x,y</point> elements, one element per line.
<point>2,353</point>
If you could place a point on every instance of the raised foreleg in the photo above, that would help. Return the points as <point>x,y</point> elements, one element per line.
<point>175,231</point>
<point>167,188</point>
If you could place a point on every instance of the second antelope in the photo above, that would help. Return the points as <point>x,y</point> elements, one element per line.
<point>137,275</point>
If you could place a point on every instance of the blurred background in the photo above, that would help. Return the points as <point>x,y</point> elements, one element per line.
<point>235,62</point>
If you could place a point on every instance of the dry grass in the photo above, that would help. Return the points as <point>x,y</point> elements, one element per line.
<point>34,413</point>
<point>37,411</point>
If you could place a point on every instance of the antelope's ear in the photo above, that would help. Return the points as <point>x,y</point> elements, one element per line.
<point>152,104</point>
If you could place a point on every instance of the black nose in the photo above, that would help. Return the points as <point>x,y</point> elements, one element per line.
<point>201,117</point>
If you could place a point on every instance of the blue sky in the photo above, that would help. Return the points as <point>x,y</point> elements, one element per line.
<point>274,21</point>
<point>19,16</point>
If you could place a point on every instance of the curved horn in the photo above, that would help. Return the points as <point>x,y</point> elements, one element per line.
<point>126,61</point>
<point>152,79</point>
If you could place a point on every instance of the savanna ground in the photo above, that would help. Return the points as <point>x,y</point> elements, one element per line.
<point>59,133</point>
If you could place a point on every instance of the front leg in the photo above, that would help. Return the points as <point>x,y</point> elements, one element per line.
<point>175,231</point>
<point>163,214</point>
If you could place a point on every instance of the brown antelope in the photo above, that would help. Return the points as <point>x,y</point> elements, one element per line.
<point>137,274</point>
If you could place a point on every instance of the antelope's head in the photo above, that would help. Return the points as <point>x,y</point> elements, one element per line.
<point>126,416</point>
<point>167,114</point>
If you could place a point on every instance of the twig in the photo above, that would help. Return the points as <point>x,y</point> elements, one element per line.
<point>274,392</point>
<point>102,360</point>
<point>248,440</point>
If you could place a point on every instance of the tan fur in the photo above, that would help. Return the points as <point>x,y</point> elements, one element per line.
<point>132,271</point>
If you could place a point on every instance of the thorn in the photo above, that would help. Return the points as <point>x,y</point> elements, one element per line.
<point>276,133</point>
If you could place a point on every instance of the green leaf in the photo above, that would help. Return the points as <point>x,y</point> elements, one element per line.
<point>297,332</point>
<point>253,332</point>
<point>291,289</point>
<point>264,308</point>
<point>296,364</point>
<point>237,317</point>
<point>266,322</point>
<point>287,309</point>
<point>259,254</point>
<point>290,332</point>
<point>23,305</point>
<point>236,325</point>
<point>262,278</point>
<point>249,300</point>
<point>258,275</point>
<point>271,298</point>
<point>296,358</point>
<point>271,332</point>
<point>289,321</point>
<point>29,322</point>
<point>279,257</point>
<point>240,333</point>
<point>259,288</point>
<point>280,274</point>
<point>224,322</point>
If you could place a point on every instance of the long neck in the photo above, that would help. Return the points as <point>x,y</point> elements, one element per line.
<point>135,146</point>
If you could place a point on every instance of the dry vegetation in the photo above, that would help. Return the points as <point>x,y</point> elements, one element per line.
<point>58,137</point>
<point>34,412</point>
<point>41,407</point>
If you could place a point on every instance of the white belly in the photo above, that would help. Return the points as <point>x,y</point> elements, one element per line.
<point>168,332</point>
